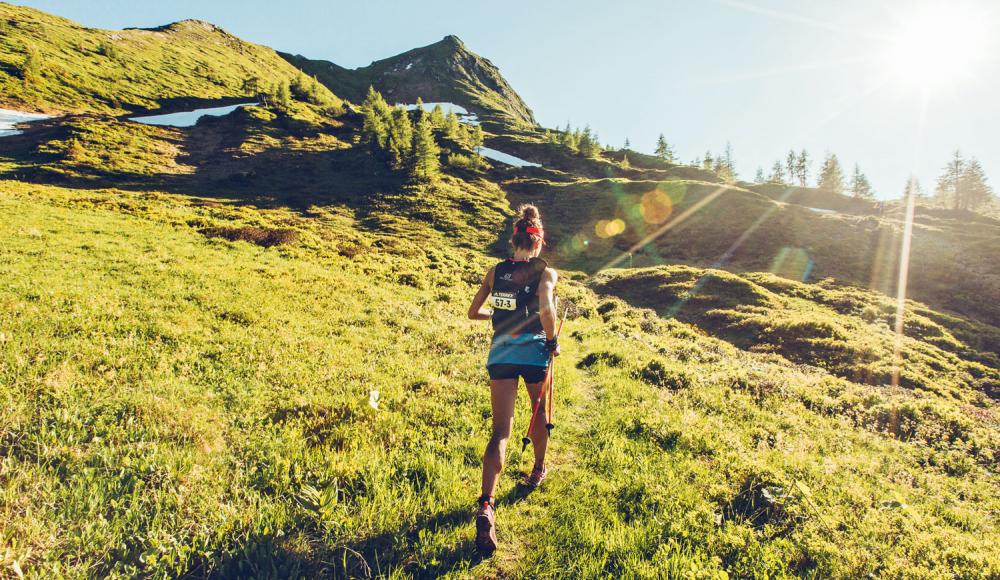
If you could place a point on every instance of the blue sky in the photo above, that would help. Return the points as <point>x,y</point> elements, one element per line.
<point>765,75</point>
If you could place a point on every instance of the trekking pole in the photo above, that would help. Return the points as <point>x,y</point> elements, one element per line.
<point>549,425</point>
<point>541,393</point>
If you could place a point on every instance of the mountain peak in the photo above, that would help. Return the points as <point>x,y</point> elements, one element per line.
<point>453,40</point>
<point>445,71</point>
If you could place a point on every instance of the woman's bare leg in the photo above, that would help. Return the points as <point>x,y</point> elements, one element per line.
<point>503,394</point>
<point>539,434</point>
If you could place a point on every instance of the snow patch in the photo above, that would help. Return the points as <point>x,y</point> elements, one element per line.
<point>821,210</point>
<point>464,116</point>
<point>409,66</point>
<point>505,157</point>
<point>9,119</point>
<point>188,118</point>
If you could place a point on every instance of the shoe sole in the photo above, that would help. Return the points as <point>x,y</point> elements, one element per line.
<point>485,537</point>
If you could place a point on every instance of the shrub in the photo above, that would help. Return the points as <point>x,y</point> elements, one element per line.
<point>608,358</point>
<point>466,162</point>
<point>659,375</point>
<point>264,237</point>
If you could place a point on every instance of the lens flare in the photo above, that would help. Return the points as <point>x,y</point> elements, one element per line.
<point>609,228</point>
<point>792,263</point>
<point>656,207</point>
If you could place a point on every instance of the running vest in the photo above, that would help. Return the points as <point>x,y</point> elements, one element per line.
<point>514,297</point>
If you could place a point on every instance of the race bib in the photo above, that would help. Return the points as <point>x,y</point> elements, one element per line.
<point>503,301</point>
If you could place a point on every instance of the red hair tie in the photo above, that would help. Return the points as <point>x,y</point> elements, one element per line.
<point>535,231</point>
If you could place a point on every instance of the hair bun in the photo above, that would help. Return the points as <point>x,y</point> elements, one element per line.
<point>528,212</point>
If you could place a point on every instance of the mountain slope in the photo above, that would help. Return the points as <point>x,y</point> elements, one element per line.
<point>240,349</point>
<point>182,405</point>
<point>79,69</point>
<point>446,71</point>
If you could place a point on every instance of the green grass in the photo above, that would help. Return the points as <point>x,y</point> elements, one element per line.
<point>113,71</point>
<point>193,323</point>
<point>179,404</point>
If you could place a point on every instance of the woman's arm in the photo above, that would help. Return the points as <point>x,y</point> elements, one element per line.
<point>476,310</point>
<point>547,302</point>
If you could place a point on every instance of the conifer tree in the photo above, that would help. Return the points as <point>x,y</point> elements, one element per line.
<point>426,163</point>
<point>759,176</point>
<point>791,165</point>
<point>831,178</point>
<point>726,165</point>
<point>802,163</point>
<point>663,149</point>
<point>913,189</point>
<point>708,162</point>
<point>777,174</point>
<point>282,95</point>
<point>376,116</point>
<point>627,146</point>
<point>477,138</point>
<point>400,141</point>
<point>437,116</point>
<point>946,193</point>
<point>861,188</point>
<point>973,190</point>
<point>452,127</point>
<point>251,85</point>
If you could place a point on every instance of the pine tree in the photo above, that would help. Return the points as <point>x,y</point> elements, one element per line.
<point>913,189</point>
<point>946,193</point>
<point>759,176</point>
<point>477,138</point>
<point>727,166</point>
<point>400,141</point>
<point>861,188</point>
<point>588,143</point>
<point>437,116</point>
<point>375,119</point>
<point>426,163</point>
<point>627,146</point>
<point>831,178</point>
<point>791,165</point>
<point>251,85</point>
<point>802,163</point>
<point>662,148</point>
<point>282,95</point>
<point>452,127</point>
<point>708,162</point>
<point>974,191</point>
<point>777,174</point>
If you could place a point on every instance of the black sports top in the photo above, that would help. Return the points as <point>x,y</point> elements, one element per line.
<point>514,296</point>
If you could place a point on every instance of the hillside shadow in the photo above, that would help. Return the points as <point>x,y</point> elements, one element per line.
<point>220,166</point>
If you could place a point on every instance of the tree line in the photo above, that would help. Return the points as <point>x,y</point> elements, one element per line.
<point>410,141</point>
<point>583,142</point>
<point>963,184</point>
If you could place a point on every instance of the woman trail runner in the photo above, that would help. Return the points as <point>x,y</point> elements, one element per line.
<point>517,296</point>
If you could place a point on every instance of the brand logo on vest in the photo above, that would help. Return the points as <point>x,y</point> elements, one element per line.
<point>506,276</point>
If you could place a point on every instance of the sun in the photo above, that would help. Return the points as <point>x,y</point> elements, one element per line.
<point>937,46</point>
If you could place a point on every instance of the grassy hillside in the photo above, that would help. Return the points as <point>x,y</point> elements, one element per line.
<point>240,349</point>
<point>445,71</point>
<point>683,215</point>
<point>176,403</point>
<point>51,64</point>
